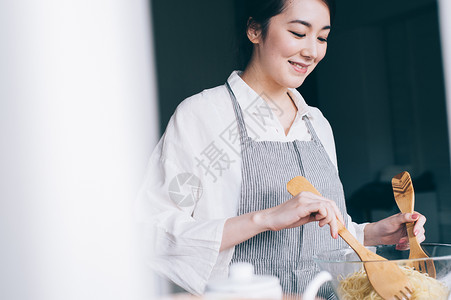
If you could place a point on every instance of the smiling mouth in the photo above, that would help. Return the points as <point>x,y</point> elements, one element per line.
<point>298,65</point>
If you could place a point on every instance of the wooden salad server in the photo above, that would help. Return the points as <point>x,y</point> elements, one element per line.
<point>387,279</point>
<point>405,199</point>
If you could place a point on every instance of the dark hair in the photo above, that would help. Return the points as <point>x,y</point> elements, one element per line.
<point>259,12</point>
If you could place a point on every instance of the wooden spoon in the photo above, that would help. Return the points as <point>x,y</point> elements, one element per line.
<point>405,199</point>
<point>387,279</point>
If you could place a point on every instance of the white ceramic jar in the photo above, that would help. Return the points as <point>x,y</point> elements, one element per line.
<point>244,284</point>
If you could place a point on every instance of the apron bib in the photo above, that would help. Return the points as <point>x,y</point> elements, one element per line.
<point>267,166</point>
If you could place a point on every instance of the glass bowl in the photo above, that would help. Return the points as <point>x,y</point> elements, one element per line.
<point>340,264</point>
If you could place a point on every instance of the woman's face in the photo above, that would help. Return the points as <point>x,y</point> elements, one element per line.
<point>296,41</point>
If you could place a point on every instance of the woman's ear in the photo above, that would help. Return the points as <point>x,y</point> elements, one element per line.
<point>253,31</point>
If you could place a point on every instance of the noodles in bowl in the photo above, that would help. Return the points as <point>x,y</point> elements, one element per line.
<point>357,286</point>
<point>350,281</point>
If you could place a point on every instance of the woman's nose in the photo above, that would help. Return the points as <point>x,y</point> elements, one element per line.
<point>310,49</point>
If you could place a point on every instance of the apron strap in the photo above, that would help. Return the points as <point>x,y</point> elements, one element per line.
<point>239,115</point>
<point>314,138</point>
<point>311,129</point>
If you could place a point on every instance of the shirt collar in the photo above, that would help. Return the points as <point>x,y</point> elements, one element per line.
<point>247,97</point>
<point>303,108</point>
<point>244,94</point>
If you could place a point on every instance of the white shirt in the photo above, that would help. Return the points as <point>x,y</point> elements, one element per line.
<point>193,180</point>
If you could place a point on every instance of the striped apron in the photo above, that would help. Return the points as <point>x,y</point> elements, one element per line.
<point>267,166</point>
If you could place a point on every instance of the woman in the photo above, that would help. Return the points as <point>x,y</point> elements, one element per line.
<point>216,186</point>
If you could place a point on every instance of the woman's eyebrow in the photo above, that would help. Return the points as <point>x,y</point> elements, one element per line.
<point>305,23</point>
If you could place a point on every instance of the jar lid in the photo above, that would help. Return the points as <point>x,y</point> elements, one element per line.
<point>244,283</point>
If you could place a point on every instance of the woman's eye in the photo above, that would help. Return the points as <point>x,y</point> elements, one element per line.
<point>298,34</point>
<point>321,39</point>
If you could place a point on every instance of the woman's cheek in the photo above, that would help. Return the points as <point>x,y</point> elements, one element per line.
<point>290,47</point>
<point>322,54</point>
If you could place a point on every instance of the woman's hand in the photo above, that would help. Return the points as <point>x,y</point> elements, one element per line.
<point>392,230</point>
<point>301,209</point>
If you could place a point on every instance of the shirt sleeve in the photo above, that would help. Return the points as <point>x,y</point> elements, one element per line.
<point>357,230</point>
<point>177,245</point>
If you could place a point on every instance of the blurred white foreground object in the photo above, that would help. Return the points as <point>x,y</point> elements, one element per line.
<point>444,8</point>
<point>77,125</point>
<point>313,287</point>
<point>244,284</point>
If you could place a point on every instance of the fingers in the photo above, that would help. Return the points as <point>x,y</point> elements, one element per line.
<point>403,244</point>
<point>418,229</point>
<point>301,209</point>
<point>334,228</point>
<point>331,206</point>
<point>412,217</point>
<point>415,217</point>
<point>419,219</point>
<point>420,238</point>
<point>326,212</point>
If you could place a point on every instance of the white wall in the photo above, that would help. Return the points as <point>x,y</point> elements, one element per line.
<point>445,30</point>
<point>77,124</point>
